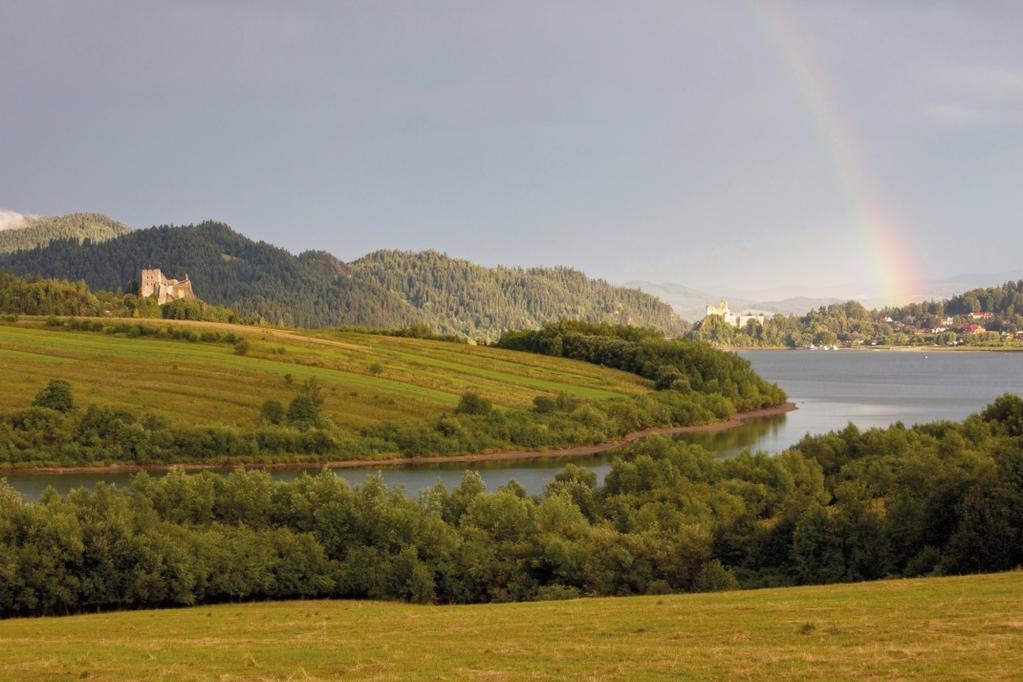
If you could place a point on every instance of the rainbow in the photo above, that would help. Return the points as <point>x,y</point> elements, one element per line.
<point>888,260</point>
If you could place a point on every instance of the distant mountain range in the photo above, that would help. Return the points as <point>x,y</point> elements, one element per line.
<point>20,232</point>
<point>384,289</point>
<point>690,303</point>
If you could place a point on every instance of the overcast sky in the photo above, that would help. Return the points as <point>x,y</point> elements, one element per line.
<point>635,140</point>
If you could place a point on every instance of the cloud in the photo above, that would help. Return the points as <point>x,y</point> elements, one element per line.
<point>996,83</point>
<point>979,96</point>
<point>12,220</point>
<point>957,114</point>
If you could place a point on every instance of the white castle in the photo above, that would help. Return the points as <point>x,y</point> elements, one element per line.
<point>735,319</point>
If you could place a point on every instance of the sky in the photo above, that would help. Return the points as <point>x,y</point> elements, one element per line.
<point>763,148</point>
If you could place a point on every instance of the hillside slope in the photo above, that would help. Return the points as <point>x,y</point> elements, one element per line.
<point>213,392</point>
<point>314,289</point>
<point>368,378</point>
<point>37,231</point>
<point>930,628</point>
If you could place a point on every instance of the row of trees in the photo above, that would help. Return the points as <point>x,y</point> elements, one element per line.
<point>933,499</point>
<point>679,364</point>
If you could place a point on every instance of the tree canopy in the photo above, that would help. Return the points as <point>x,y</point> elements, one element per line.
<point>939,498</point>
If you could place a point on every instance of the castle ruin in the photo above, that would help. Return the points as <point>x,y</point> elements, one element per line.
<point>153,283</point>
<point>723,311</point>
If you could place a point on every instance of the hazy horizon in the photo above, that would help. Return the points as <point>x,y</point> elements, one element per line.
<point>804,148</point>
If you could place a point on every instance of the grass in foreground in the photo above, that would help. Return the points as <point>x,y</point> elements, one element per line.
<point>939,628</point>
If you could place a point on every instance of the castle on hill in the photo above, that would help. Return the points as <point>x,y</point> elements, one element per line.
<point>735,319</point>
<point>153,283</point>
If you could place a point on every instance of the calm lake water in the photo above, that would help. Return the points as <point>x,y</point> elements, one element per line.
<point>830,389</point>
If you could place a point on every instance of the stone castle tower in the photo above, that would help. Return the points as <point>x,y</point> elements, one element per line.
<point>153,283</point>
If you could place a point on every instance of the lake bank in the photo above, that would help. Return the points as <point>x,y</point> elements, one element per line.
<point>866,349</point>
<point>831,390</point>
<point>503,456</point>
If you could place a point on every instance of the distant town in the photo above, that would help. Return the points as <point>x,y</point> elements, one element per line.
<point>980,318</point>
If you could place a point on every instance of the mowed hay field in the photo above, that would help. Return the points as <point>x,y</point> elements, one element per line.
<point>367,377</point>
<point>937,628</point>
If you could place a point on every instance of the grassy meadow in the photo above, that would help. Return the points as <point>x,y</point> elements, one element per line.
<point>367,377</point>
<point>967,628</point>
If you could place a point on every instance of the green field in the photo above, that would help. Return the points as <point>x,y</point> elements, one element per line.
<point>207,383</point>
<point>936,628</point>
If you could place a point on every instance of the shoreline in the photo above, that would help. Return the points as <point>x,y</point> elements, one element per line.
<point>891,349</point>
<point>502,456</point>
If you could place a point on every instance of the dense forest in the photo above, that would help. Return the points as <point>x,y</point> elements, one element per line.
<point>465,297</point>
<point>935,499</point>
<point>386,289</point>
<point>39,231</point>
<point>981,317</point>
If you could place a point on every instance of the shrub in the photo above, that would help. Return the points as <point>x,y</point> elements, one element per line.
<point>544,404</point>
<point>473,404</point>
<point>557,592</point>
<point>302,411</point>
<point>666,377</point>
<point>56,396</point>
<point>272,412</point>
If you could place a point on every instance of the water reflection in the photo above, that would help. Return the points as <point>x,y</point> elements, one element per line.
<point>532,474</point>
<point>750,435</point>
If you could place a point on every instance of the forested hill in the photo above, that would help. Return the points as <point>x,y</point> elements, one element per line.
<point>1004,302</point>
<point>462,297</point>
<point>226,268</point>
<point>41,230</point>
<point>314,289</point>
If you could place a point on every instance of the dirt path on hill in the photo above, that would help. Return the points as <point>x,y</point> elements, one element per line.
<point>506,455</point>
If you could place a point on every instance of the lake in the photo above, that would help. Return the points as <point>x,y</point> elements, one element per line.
<point>830,389</point>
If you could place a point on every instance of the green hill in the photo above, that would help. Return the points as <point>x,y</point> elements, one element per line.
<point>163,391</point>
<point>385,289</point>
<point>931,628</point>
<point>209,383</point>
<point>39,231</point>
